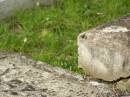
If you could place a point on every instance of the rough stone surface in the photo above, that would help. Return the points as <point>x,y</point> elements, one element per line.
<point>124,86</point>
<point>22,77</point>
<point>8,7</point>
<point>104,52</point>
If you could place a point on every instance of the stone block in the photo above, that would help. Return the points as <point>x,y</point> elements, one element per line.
<point>23,77</point>
<point>104,52</point>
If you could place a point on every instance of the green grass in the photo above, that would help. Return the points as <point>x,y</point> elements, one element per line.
<point>49,34</point>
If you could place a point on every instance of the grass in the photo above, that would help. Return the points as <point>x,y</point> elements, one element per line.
<point>49,34</point>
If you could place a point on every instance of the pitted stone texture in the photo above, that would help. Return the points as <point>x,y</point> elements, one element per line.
<point>124,86</point>
<point>22,77</point>
<point>104,52</point>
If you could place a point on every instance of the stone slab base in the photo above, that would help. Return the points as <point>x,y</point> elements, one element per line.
<point>23,77</point>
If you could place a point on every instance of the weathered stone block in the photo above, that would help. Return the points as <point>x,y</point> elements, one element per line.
<point>104,52</point>
<point>23,77</point>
